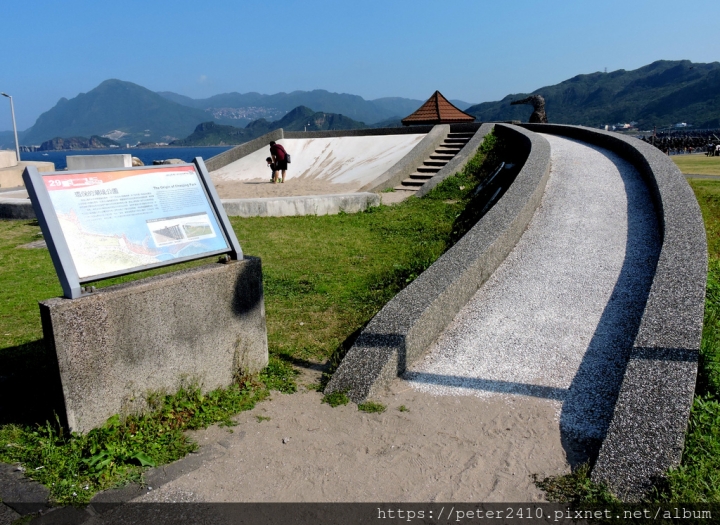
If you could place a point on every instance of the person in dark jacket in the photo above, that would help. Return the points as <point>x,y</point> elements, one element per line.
<point>279,156</point>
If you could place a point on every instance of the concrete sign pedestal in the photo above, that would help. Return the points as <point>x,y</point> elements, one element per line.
<point>120,344</point>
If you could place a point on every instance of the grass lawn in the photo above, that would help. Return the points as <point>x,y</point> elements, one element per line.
<point>697,164</point>
<point>324,278</point>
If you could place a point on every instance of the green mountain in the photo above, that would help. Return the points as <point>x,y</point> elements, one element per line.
<point>660,94</point>
<point>136,112</point>
<point>93,142</point>
<point>246,107</point>
<point>301,118</point>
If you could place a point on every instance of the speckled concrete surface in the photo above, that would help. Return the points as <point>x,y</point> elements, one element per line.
<point>558,318</point>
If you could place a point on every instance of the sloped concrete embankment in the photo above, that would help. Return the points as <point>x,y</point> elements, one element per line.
<point>647,431</point>
<point>406,327</point>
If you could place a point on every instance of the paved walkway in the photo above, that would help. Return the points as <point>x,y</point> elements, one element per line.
<point>557,319</point>
<point>528,369</point>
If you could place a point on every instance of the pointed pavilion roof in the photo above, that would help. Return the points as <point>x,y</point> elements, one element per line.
<point>437,110</point>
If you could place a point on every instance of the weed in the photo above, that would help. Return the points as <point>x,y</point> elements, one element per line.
<point>260,419</point>
<point>372,407</point>
<point>336,399</point>
<point>576,488</point>
<point>403,408</point>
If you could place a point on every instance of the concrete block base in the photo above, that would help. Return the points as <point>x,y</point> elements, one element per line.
<point>120,344</point>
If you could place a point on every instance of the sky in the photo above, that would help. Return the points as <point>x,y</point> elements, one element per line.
<point>476,51</point>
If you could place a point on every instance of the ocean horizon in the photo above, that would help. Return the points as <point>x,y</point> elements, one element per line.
<point>146,155</point>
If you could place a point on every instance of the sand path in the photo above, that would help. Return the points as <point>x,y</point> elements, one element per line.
<point>528,368</point>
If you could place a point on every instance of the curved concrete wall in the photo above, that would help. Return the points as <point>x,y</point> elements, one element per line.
<point>407,325</point>
<point>458,161</point>
<point>647,431</point>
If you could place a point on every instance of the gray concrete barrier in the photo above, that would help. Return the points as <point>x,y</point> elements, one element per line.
<point>261,207</point>
<point>122,343</point>
<point>647,432</point>
<point>368,132</point>
<point>92,162</point>
<point>410,162</point>
<point>458,161</point>
<point>408,325</point>
<point>303,205</point>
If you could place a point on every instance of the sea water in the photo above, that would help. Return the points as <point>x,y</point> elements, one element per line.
<point>146,155</point>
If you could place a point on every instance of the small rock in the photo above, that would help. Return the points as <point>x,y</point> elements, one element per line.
<point>286,440</point>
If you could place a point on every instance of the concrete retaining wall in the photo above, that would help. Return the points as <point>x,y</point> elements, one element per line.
<point>458,161</point>
<point>647,432</point>
<point>238,152</point>
<point>408,325</point>
<point>117,345</point>
<point>8,159</point>
<point>92,162</point>
<point>267,207</point>
<point>305,205</point>
<point>410,162</point>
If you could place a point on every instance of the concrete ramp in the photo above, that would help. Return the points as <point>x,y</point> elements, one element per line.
<point>339,160</point>
<point>557,319</point>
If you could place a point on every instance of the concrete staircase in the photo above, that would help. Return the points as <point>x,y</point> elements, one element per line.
<point>452,145</point>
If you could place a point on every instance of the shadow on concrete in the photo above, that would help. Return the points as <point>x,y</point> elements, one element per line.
<point>30,388</point>
<point>248,287</point>
<point>590,401</point>
<point>490,385</point>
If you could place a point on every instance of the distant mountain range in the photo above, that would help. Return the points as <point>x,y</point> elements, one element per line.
<point>239,109</point>
<point>660,94</point>
<point>301,118</point>
<point>128,113</point>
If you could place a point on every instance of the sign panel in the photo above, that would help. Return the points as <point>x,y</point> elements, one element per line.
<point>108,223</point>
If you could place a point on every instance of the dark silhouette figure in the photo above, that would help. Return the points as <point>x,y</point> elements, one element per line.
<point>538,103</point>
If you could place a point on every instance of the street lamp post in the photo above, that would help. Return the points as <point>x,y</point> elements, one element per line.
<point>12,110</point>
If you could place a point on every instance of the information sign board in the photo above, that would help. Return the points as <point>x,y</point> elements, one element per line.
<point>101,224</point>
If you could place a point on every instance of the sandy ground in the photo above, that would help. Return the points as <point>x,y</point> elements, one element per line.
<point>259,188</point>
<point>441,449</point>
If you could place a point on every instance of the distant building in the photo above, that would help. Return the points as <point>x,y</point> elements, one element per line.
<point>681,125</point>
<point>437,110</point>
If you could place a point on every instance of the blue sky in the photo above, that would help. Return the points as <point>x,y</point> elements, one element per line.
<point>475,51</point>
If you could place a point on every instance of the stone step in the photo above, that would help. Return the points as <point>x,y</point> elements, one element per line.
<point>428,169</point>
<point>442,156</point>
<point>421,176</point>
<point>456,141</point>
<point>413,182</point>
<point>409,189</point>
<point>461,135</point>
<point>435,162</point>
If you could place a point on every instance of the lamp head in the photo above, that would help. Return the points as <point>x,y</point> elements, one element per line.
<point>5,95</point>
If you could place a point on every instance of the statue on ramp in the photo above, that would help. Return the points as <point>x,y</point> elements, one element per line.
<point>538,103</point>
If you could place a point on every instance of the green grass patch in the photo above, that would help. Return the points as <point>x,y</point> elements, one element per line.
<point>371,407</point>
<point>324,279</point>
<point>403,408</point>
<point>697,164</point>
<point>336,399</point>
